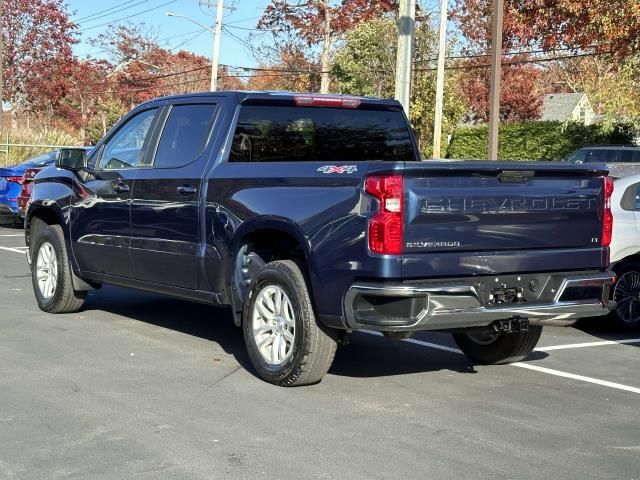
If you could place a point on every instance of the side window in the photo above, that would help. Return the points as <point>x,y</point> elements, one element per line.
<point>185,135</point>
<point>126,148</point>
<point>630,156</point>
<point>631,198</point>
<point>600,156</point>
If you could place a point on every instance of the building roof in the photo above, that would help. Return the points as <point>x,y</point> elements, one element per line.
<point>559,106</point>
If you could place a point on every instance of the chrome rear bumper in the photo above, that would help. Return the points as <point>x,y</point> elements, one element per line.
<point>455,304</point>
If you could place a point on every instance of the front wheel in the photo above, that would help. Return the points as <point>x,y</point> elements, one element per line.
<point>286,344</point>
<point>51,273</point>
<point>498,348</point>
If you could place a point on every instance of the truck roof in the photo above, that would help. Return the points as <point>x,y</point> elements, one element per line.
<point>278,97</point>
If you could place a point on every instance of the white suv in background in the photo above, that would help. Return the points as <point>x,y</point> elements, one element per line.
<point>625,249</point>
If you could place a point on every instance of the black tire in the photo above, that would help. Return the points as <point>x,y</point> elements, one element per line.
<point>626,292</point>
<point>314,345</point>
<point>64,299</point>
<point>502,348</point>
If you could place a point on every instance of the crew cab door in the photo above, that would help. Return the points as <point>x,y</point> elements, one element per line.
<point>100,221</point>
<point>165,205</point>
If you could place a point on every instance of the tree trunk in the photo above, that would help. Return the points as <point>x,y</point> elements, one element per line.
<point>326,46</point>
<point>83,122</point>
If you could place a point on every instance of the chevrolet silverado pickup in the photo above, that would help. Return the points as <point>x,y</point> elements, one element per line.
<point>313,216</point>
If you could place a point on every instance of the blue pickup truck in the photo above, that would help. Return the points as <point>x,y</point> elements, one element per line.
<point>313,216</point>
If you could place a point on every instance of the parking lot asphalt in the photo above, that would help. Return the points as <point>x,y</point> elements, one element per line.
<point>146,387</point>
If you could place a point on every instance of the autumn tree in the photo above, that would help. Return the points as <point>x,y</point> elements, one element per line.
<point>520,89</point>
<point>38,38</point>
<point>292,71</point>
<point>613,87</point>
<point>365,65</point>
<point>142,69</point>
<point>602,36</point>
<point>320,22</point>
<point>608,25</point>
<point>89,83</point>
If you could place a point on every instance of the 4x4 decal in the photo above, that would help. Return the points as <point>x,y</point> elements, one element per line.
<point>338,169</point>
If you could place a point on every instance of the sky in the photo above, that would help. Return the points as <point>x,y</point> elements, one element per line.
<point>93,17</point>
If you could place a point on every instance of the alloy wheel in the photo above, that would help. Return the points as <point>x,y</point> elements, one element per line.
<point>626,294</point>
<point>273,324</point>
<point>47,270</point>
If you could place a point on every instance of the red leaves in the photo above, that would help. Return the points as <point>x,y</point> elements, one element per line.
<point>307,20</point>
<point>520,97</point>
<point>613,26</point>
<point>38,39</point>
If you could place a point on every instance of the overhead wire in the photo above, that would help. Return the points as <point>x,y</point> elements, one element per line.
<point>111,13</point>
<point>103,11</point>
<point>129,16</point>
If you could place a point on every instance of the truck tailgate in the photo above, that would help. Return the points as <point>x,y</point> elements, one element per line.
<point>483,207</point>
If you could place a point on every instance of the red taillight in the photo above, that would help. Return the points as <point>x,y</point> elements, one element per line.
<point>30,174</point>
<point>326,101</point>
<point>385,227</point>
<point>607,217</point>
<point>17,180</point>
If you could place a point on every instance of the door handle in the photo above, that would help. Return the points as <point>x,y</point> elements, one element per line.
<point>121,188</point>
<point>186,190</point>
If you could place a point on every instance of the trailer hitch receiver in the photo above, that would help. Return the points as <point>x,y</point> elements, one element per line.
<point>512,325</point>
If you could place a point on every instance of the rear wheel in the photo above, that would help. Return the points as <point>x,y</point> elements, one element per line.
<point>51,272</point>
<point>626,294</point>
<point>286,344</point>
<point>498,348</point>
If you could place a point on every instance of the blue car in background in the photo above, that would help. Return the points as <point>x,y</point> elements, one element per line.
<point>11,179</point>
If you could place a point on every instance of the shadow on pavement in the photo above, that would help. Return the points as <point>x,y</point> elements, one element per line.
<point>366,355</point>
<point>204,321</point>
<point>607,328</point>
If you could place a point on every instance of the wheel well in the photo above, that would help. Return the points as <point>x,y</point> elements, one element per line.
<point>273,245</point>
<point>43,214</point>
<point>635,258</point>
<point>256,249</point>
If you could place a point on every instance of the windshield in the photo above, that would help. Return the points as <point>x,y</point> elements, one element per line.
<point>310,134</point>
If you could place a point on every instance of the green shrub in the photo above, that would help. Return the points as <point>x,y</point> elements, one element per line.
<point>48,136</point>
<point>535,140</point>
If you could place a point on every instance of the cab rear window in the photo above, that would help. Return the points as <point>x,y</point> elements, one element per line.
<point>311,134</point>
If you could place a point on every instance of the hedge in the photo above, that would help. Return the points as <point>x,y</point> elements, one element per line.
<point>535,140</point>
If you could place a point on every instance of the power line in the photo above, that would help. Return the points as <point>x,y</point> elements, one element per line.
<point>242,20</point>
<point>190,39</point>
<point>182,35</point>
<point>505,54</point>
<point>103,11</point>
<point>89,19</point>
<point>275,73</point>
<point>129,16</point>
<point>516,62</point>
<point>253,29</point>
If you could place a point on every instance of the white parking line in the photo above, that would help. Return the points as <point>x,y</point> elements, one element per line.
<point>15,250</point>
<point>12,235</point>
<point>558,373</point>
<point>588,344</point>
<point>549,371</point>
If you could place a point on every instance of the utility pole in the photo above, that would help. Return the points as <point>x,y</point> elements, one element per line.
<point>496,74</point>
<point>406,28</point>
<point>325,79</point>
<point>442,51</point>
<point>216,46</point>
<point>216,30</point>
<point>1,66</point>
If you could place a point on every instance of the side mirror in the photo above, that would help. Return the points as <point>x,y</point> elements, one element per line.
<point>72,158</point>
